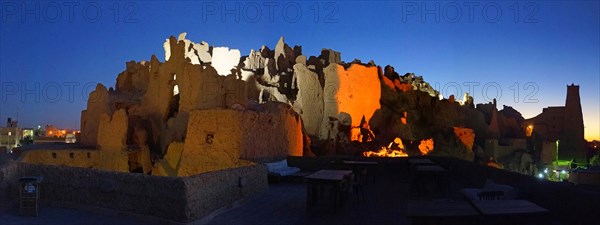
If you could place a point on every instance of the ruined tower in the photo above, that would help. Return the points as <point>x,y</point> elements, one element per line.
<point>571,138</point>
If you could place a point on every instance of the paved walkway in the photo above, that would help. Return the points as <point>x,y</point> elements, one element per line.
<point>285,203</point>
<point>65,216</point>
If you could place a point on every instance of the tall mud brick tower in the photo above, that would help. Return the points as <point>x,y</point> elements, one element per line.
<point>571,145</point>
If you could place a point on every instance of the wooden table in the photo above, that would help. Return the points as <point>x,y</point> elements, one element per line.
<point>420,162</point>
<point>363,163</point>
<point>318,180</point>
<point>413,163</point>
<point>500,207</point>
<point>509,212</point>
<point>427,175</point>
<point>329,175</point>
<point>430,169</point>
<point>358,167</point>
<point>441,211</point>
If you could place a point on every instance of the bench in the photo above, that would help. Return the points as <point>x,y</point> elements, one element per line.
<point>490,191</point>
<point>281,169</point>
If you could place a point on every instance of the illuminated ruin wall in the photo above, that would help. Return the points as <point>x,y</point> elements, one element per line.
<point>166,110</point>
<point>220,139</point>
<point>330,101</point>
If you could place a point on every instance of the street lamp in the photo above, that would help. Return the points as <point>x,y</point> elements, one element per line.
<point>557,142</point>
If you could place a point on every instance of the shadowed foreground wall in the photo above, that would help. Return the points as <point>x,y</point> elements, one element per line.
<point>180,199</point>
<point>8,186</point>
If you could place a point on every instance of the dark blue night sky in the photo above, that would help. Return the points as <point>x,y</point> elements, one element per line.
<point>53,52</point>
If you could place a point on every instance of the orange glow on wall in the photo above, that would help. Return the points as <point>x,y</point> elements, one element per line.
<point>355,91</point>
<point>466,136</point>
<point>426,146</point>
<point>403,86</point>
<point>388,83</point>
<point>403,119</point>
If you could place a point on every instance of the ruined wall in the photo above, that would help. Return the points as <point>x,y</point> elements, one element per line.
<point>112,137</point>
<point>213,142</point>
<point>169,164</point>
<point>161,95</point>
<point>87,158</point>
<point>180,199</point>
<point>309,101</point>
<point>221,139</point>
<point>98,104</point>
<point>548,153</point>
<point>354,92</point>
<point>338,102</point>
<point>548,124</point>
<point>272,134</point>
<point>503,149</point>
<point>134,78</point>
<point>201,87</point>
<point>466,136</point>
<point>448,144</point>
<point>511,123</point>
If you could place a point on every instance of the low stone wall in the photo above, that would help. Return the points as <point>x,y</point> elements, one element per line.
<point>585,177</point>
<point>180,199</point>
<point>209,191</point>
<point>8,188</point>
<point>85,158</point>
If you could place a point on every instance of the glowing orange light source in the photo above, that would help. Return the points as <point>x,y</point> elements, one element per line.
<point>426,146</point>
<point>529,130</point>
<point>387,151</point>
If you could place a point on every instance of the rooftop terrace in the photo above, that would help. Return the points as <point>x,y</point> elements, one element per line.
<point>388,192</point>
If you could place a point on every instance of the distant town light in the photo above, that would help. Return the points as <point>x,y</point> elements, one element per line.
<point>540,176</point>
<point>563,172</point>
<point>546,170</point>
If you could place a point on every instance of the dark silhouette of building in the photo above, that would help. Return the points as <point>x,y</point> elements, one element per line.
<point>11,123</point>
<point>563,125</point>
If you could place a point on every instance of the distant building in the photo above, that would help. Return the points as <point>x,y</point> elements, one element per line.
<point>54,132</point>
<point>10,135</point>
<point>562,125</point>
<point>10,123</point>
<point>504,149</point>
<point>51,131</point>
